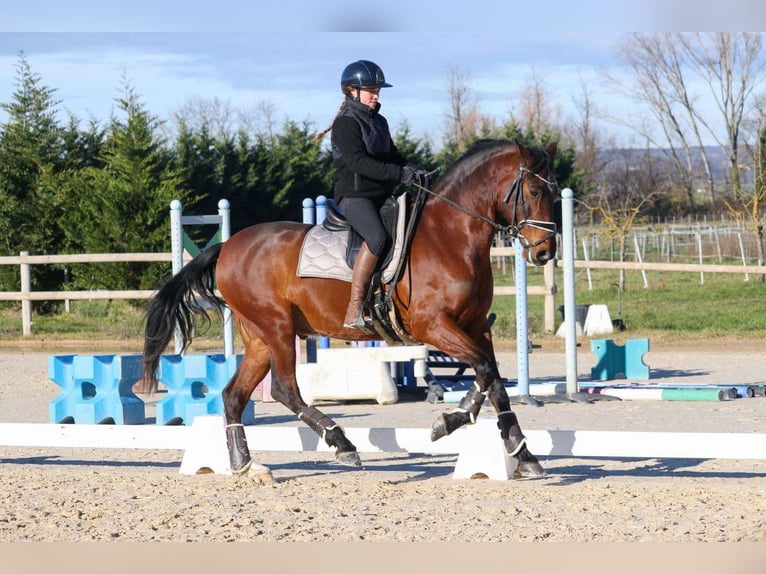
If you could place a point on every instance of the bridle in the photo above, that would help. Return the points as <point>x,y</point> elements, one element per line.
<point>516,192</point>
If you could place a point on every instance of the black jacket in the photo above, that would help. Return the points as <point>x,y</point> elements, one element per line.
<point>367,163</point>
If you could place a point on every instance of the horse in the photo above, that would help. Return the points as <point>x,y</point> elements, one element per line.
<point>441,299</point>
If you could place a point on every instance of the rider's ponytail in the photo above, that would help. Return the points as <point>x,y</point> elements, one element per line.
<point>318,137</point>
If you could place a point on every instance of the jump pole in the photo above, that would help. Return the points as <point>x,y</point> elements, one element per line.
<point>478,447</point>
<point>177,221</point>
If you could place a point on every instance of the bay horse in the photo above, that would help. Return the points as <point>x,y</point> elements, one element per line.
<point>442,298</point>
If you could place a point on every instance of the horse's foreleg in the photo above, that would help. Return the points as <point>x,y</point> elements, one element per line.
<point>510,431</point>
<point>467,410</point>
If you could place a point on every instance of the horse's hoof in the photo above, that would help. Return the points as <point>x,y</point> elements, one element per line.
<point>240,469</point>
<point>348,458</point>
<point>529,471</point>
<point>439,428</point>
<point>259,473</point>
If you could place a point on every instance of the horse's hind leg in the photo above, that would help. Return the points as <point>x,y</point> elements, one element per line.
<point>251,371</point>
<point>284,388</point>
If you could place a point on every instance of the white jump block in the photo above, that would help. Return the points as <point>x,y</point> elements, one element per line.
<point>206,450</point>
<point>598,321</point>
<point>356,373</point>
<point>562,330</point>
<point>483,453</point>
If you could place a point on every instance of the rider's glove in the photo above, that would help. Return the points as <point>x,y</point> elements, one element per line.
<point>415,175</point>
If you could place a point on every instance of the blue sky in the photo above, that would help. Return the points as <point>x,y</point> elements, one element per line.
<point>297,74</point>
<point>290,54</point>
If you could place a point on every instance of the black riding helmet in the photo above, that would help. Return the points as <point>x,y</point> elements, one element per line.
<point>362,74</point>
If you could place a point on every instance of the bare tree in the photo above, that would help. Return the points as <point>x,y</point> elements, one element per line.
<point>537,113</point>
<point>625,188</point>
<point>730,65</point>
<point>750,209</point>
<point>658,62</point>
<point>213,115</point>
<point>464,121</point>
<point>586,139</point>
<point>666,67</point>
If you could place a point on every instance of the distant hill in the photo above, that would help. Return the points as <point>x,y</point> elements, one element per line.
<point>719,164</point>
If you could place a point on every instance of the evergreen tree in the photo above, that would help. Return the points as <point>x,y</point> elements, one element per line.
<point>415,150</point>
<point>123,206</point>
<point>31,148</point>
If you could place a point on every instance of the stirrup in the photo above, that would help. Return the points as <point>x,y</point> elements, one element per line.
<point>359,322</point>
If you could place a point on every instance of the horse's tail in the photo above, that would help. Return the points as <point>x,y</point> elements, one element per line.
<point>174,305</point>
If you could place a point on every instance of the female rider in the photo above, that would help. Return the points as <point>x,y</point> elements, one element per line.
<point>367,168</point>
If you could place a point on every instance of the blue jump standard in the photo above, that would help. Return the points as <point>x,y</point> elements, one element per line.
<point>614,359</point>
<point>195,385</point>
<point>98,389</point>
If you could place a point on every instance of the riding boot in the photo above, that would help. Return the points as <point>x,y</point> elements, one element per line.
<point>364,267</point>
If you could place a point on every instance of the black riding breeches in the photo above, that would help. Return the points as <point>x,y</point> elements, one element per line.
<point>364,216</point>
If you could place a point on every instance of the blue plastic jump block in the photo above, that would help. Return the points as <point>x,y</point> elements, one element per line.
<point>194,387</point>
<point>96,389</point>
<point>614,359</point>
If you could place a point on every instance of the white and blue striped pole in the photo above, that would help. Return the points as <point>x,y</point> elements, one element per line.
<point>224,211</point>
<point>176,256</point>
<point>321,215</point>
<point>522,324</point>
<point>309,217</point>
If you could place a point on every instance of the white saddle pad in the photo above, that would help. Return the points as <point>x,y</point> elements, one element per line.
<point>323,253</point>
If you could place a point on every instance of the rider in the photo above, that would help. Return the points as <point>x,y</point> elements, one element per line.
<point>367,168</point>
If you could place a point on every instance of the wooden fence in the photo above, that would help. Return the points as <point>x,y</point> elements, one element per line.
<point>547,290</point>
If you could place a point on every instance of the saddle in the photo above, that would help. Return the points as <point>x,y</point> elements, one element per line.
<point>330,249</point>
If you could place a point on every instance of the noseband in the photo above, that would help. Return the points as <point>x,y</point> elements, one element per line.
<point>516,191</point>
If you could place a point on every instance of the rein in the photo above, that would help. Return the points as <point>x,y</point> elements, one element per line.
<point>515,190</point>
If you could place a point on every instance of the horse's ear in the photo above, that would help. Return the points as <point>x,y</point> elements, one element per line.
<point>523,151</point>
<point>552,148</point>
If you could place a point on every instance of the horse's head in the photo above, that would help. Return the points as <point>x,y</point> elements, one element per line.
<point>528,205</point>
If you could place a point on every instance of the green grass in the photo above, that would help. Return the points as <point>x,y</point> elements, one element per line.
<point>96,321</point>
<point>675,306</point>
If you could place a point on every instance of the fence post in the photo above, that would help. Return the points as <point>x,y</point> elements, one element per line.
<point>26,302</point>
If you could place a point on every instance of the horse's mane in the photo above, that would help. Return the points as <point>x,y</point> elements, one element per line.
<point>476,155</point>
